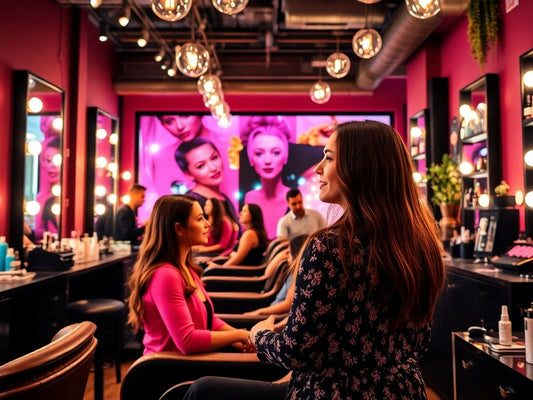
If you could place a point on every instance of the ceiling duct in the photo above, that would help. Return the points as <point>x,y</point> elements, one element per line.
<point>402,37</point>
<point>332,14</point>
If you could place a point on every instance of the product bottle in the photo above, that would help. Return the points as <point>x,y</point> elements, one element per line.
<point>504,328</point>
<point>10,256</point>
<point>3,252</point>
<point>528,334</point>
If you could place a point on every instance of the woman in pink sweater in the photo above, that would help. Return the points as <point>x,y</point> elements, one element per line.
<point>167,297</point>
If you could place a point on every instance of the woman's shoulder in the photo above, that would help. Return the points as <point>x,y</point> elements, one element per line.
<point>166,272</point>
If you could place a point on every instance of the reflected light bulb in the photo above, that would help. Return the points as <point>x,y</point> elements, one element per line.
<point>417,177</point>
<point>101,133</point>
<point>528,158</point>
<point>416,132</point>
<point>35,104</point>
<point>528,79</point>
<point>32,208</point>
<point>100,209</point>
<point>464,110</point>
<point>126,175</point>
<point>126,199</point>
<point>101,162</point>
<point>112,167</point>
<point>519,197</point>
<point>57,159</point>
<point>484,200</point>
<point>100,191</point>
<point>529,199</point>
<point>56,190</point>
<point>112,198</point>
<point>113,138</point>
<point>56,209</point>
<point>34,147</point>
<point>466,168</point>
<point>57,123</point>
<point>154,148</point>
<point>209,83</point>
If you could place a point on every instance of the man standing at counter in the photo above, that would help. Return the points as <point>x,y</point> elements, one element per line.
<point>299,220</point>
<point>126,222</point>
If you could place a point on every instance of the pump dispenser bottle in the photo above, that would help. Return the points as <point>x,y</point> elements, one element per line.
<point>528,334</point>
<point>504,328</point>
<point>3,253</point>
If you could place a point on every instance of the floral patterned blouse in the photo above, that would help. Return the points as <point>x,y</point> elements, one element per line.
<point>336,341</point>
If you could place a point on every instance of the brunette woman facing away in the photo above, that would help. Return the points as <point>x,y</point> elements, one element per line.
<point>167,297</point>
<point>222,232</point>
<point>367,285</point>
<point>253,242</point>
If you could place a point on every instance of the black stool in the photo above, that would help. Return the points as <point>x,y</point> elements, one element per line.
<point>108,316</point>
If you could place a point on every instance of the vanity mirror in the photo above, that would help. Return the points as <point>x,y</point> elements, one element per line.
<point>102,172</point>
<point>37,153</point>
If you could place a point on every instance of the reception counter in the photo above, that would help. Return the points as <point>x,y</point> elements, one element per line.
<point>33,310</point>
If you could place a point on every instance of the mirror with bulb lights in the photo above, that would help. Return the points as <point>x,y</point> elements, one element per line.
<point>37,159</point>
<point>418,137</point>
<point>102,172</point>
<point>479,131</point>
<point>526,84</point>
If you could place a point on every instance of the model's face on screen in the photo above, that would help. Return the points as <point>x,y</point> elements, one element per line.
<point>205,165</point>
<point>183,127</point>
<point>269,155</point>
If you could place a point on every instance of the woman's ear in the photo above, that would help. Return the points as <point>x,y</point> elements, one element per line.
<point>179,229</point>
<point>189,176</point>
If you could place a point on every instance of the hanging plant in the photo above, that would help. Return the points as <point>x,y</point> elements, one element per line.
<point>484,27</point>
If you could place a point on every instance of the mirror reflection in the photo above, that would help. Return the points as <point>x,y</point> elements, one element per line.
<point>102,171</point>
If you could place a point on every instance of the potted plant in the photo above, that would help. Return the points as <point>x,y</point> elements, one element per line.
<point>502,200</point>
<point>444,180</point>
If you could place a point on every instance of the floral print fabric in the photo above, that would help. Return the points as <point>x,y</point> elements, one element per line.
<point>336,341</point>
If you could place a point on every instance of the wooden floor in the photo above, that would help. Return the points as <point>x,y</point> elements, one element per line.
<point>112,388</point>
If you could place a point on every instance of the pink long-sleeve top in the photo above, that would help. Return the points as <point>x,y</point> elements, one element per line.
<point>228,236</point>
<point>171,321</point>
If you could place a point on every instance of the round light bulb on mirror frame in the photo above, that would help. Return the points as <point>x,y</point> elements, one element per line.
<point>112,167</point>
<point>100,190</point>
<point>57,160</point>
<point>34,147</point>
<point>417,177</point>
<point>192,59</point>
<point>464,110</point>
<point>126,199</point>
<point>35,105</point>
<point>466,168</point>
<point>320,92</point>
<point>126,175</point>
<point>423,9</point>
<point>112,198</point>
<point>529,199</point>
<point>519,197</point>
<point>416,132</point>
<point>338,65</point>
<point>56,190</point>
<point>100,209</point>
<point>173,10</point>
<point>209,83</point>
<point>484,200</point>
<point>113,138</point>
<point>230,7</point>
<point>101,162</point>
<point>32,208</point>
<point>56,209</point>
<point>366,43</point>
<point>57,123</point>
<point>527,79</point>
<point>528,158</point>
<point>96,3</point>
<point>101,133</point>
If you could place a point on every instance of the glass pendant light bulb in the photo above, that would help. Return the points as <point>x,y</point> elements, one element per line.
<point>220,109</point>
<point>210,99</point>
<point>366,43</point>
<point>230,7</point>
<point>423,9</point>
<point>96,3</point>
<point>338,65</point>
<point>320,92</point>
<point>171,10</point>
<point>209,83</point>
<point>192,59</point>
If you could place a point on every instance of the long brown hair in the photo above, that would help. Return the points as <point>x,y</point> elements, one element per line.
<point>217,215</point>
<point>382,202</point>
<point>258,224</point>
<point>160,245</point>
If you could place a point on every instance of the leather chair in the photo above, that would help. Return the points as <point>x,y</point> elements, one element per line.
<point>58,370</point>
<point>152,375</point>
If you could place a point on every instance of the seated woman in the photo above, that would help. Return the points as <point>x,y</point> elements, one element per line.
<point>253,242</point>
<point>167,296</point>
<point>222,233</point>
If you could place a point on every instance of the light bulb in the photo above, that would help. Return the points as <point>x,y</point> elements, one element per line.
<point>113,138</point>
<point>96,3</point>
<point>126,199</point>
<point>112,167</point>
<point>112,198</point>
<point>101,162</point>
<point>528,158</point>
<point>56,209</point>
<point>423,9</point>
<point>528,79</point>
<point>338,65</point>
<point>529,199</point>
<point>220,109</point>
<point>101,133</point>
<point>417,177</point>
<point>100,209</point>
<point>35,104</point>
<point>213,98</point>
<point>100,191</point>
<point>171,71</point>
<point>466,168</point>
<point>519,197</point>
<point>464,110</point>
<point>192,59</point>
<point>32,208</point>
<point>484,200</point>
<point>57,159</point>
<point>209,83</point>
<point>126,175</point>
<point>57,123</point>
<point>224,121</point>
<point>160,54</point>
<point>230,7</point>
<point>366,43</point>
<point>320,92</point>
<point>416,132</point>
<point>34,147</point>
<point>56,190</point>
<point>171,10</point>
<point>124,19</point>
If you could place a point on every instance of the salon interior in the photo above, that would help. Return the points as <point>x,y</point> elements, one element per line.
<point>83,84</point>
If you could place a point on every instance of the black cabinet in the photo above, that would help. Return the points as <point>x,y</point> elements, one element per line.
<point>478,374</point>
<point>480,145</point>
<point>473,293</point>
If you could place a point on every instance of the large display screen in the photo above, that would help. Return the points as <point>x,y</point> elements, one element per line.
<point>257,159</point>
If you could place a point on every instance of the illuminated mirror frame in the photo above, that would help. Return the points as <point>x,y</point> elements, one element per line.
<point>24,83</point>
<point>102,144</point>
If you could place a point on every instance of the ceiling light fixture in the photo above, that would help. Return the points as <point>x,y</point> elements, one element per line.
<point>124,19</point>
<point>423,9</point>
<point>366,43</point>
<point>160,54</point>
<point>320,92</point>
<point>171,10</point>
<point>143,40</point>
<point>103,31</point>
<point>208,84</point>
<point>192,59</point>
<point>96,3</point>
<point>230,7</point>
<point>338,64</point>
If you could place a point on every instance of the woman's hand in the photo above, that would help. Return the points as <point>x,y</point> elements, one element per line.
<point>266,324</point>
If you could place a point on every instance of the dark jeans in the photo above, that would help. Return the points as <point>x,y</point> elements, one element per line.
<point>214,387</point>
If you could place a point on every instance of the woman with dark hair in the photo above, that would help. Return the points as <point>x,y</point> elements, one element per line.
<point>366,286</point>
<point>222,232</point>
<point>200,161</point>
<point>167,297</point>
<point>253,242</point>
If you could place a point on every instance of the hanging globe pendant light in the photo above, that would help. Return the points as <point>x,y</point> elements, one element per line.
<point>366,43</point>
<point>192,59</point>
<point>320,92</point>
<point>171,10</point>
<point>338,65</point>
<point>230,7</point>
<point>423,9</point>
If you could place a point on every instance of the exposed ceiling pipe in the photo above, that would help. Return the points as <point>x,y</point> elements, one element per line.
<point>401,39</point>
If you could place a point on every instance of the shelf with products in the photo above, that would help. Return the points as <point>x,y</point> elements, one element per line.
<point>480,146</point>
<point>526,84</point>
<point>418,142</point>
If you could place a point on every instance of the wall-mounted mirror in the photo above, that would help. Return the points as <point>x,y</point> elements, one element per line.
<point>37,154</point>
<point>102,172</point>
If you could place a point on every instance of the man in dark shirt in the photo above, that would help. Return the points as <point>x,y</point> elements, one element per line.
<point>126,221</point>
